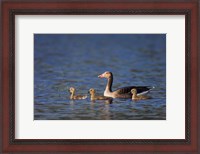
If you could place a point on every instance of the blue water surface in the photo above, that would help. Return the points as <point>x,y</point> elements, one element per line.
<point>62,61</point>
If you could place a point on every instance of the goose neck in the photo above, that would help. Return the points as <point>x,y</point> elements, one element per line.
<point>72,95</point>
<point>92,96</point>
<point>134,95</point>
<point>109,84</point>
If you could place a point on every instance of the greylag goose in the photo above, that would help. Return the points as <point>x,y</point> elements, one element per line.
<point>124,92</point>
<point>93,96</point>
<point>73,96</point>
<point>138,97</point>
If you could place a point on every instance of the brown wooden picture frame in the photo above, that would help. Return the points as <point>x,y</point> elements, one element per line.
<point>11,8</point>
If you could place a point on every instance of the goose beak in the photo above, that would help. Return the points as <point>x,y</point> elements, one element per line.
<point>101,76</point>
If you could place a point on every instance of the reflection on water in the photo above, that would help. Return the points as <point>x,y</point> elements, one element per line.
<point>63,61</point>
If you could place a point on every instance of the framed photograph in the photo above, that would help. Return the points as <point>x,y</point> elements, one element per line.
<point>100,76</point>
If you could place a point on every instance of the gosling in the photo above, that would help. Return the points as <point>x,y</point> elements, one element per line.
<point>93,97</point>
<point>73,96</point>
<point>136,97</point>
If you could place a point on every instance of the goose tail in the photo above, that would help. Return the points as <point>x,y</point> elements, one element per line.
<point>146,92</point>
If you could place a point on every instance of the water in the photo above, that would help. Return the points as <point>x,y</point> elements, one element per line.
<point>65,60</point>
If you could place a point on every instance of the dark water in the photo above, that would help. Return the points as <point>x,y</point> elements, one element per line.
<point>62,61</point>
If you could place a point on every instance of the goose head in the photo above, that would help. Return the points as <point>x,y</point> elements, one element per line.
<point>134,91</point>
<point>71,90</point>
<point>106,75</point>
<point>91,91</point>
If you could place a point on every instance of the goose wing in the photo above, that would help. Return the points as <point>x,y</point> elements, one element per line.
<point>140,89</point>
